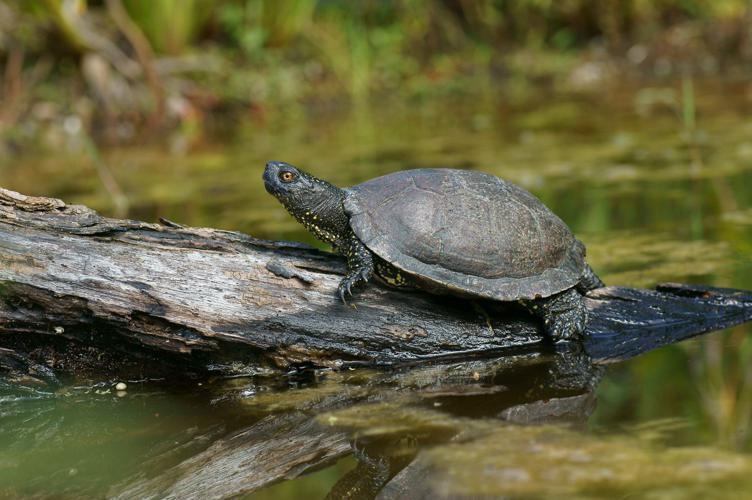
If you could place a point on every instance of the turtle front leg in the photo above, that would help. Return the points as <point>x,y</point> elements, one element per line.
<point>564,315</point>
<point>359,266</point>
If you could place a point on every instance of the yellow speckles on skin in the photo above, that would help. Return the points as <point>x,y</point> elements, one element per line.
<point>391,275</point>
<point>318,231</point>
<point>396,280</point>
<point>390,280</point>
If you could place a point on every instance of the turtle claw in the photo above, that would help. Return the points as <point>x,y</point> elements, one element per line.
<point>345,289</point>
<point>351,281</point>
<point>359,268</point>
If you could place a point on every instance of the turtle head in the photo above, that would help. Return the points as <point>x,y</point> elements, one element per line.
<point>315,203</point>
<point>288,183</point>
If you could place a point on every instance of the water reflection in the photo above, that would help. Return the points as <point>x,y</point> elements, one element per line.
<point>510,426</point>
<point>619,170</point>
<point>227,437</point>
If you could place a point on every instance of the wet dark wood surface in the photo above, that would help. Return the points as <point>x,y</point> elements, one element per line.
<point>88,295</point>
<point>205,299</point>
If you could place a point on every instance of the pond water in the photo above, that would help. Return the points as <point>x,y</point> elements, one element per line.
<point>659,189</point>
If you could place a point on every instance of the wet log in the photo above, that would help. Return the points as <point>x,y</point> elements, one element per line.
<point>170,298</point>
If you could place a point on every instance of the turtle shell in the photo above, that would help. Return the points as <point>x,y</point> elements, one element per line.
<point>467,233</point>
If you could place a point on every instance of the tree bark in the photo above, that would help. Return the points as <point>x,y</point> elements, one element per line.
<point>166,298</point>
<point>88,295</point>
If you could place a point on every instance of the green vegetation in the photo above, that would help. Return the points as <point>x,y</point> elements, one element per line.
<point>172,63</point>
<point>627,117</point>
<point>171,26</point>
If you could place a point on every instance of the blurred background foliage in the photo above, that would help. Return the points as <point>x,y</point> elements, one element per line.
<point>120,67</point>
<point>629,118</point>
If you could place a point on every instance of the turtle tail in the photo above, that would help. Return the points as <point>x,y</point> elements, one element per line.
<point>589,280</point>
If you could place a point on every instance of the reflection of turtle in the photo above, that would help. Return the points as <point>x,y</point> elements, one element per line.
<point>447,231</point>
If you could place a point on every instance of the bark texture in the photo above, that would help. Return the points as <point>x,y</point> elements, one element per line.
<point>84,294</point>
<point>166,297</point>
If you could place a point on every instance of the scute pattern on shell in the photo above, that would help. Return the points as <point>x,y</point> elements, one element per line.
<point>466,232</point>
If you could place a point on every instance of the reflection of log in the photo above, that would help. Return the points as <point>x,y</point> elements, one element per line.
<point>203,299</point>
<point>92,295</point>
<point>312,427</point>
<point>275,448</point>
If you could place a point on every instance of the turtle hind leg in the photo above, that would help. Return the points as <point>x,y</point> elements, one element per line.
<point>564,315</point>
<point>589,281</point>
<point>390,274</point>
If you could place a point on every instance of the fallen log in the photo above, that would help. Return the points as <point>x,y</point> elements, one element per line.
<point>164,298</point>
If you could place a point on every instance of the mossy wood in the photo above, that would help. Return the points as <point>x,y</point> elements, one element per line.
<point>72,281</point>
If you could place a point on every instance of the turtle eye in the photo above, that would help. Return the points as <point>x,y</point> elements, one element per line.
<point>286,176</point>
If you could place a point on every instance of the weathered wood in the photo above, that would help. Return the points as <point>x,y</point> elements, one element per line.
<point>79,288</point>
<point>204,299</point>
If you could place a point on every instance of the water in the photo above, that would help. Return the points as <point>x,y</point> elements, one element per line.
<point>653,199</point>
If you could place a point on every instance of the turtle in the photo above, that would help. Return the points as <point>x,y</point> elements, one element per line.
<point>447,231</point>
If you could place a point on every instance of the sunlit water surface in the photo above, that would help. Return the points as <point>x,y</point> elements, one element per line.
<point>654,197</point>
